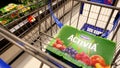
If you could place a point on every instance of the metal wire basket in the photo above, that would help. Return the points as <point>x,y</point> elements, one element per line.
<point>40,32</point>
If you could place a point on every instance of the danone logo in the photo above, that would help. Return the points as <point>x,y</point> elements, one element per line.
<point>85,37</point>
<point>86,44</point>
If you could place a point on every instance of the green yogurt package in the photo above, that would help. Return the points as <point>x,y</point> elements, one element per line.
<point>82,49</point>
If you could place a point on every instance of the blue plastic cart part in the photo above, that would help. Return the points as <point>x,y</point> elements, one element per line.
<point>3,64</point>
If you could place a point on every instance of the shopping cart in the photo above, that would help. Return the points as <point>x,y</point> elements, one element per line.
<point>51,17</point>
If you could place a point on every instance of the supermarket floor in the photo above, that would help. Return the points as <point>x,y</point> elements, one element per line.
<point>27,61</point>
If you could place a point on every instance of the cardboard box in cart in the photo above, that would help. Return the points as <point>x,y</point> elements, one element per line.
<point>82,49</point>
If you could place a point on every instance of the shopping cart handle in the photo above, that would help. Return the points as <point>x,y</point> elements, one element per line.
<point>115,23</point>
<point>53,16</point>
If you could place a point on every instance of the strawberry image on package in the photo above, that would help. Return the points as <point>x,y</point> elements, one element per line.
<point>82,48</point>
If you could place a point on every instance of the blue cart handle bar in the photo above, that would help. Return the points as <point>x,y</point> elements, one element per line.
<point>53,16</point>
<point>60,24</point>
<point>115,23</point>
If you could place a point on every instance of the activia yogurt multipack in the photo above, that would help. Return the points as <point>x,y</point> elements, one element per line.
<point>82,49</point>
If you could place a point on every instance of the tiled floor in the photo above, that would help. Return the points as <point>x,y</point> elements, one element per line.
<point>27,61</point>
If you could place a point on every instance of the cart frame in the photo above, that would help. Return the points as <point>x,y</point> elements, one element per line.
<point>45,28</point>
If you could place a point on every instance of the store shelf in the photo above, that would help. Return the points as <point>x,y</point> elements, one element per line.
<point>23,26</point>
